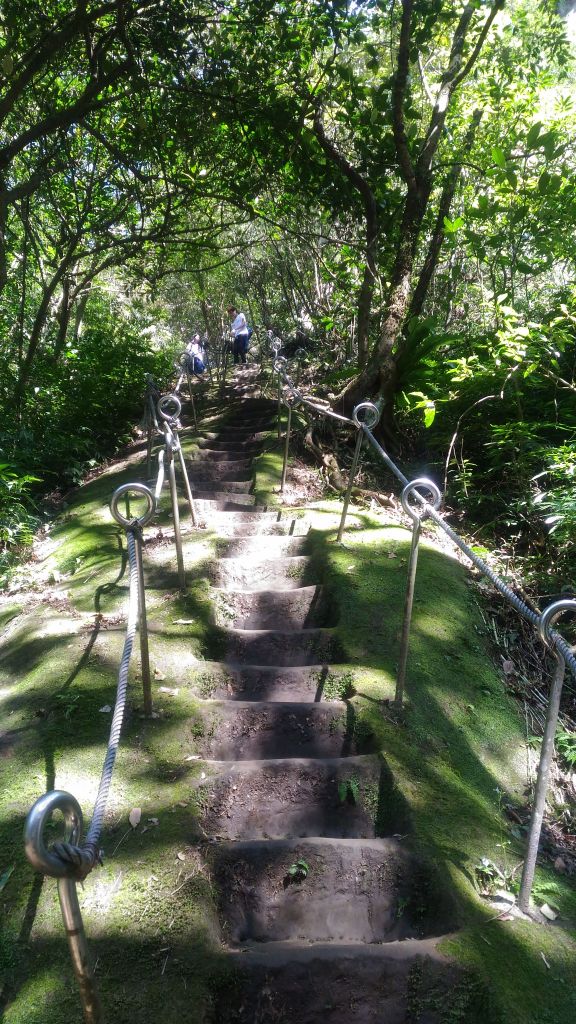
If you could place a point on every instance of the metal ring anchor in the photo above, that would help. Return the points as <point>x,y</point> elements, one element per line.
<point>276,345</point>
<point>280,364</point>
<point>371,417</point>
<point>428,485</point>
<point>549,616</point>
<point>141,490</point>
<point>164,404</point>
<point>41,857</point>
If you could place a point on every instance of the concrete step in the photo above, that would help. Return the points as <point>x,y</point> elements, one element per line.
<point>250,730</point>
<point>353,891</point>
<point>298,609</point>
<point>264,682</point>
<point>279,647</point>
<point>276,798</point>
<point>270,574</point>
<point>342,983</point>
<point>263,547</point>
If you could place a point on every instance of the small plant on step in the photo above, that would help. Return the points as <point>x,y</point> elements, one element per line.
<point>297,872</point>
<point>349,791</point>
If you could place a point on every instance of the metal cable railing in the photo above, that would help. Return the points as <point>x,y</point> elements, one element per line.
<point>365,418</point>
<point>72,859</point>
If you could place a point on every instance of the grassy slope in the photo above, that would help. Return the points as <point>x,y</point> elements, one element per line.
<point>149,911</point>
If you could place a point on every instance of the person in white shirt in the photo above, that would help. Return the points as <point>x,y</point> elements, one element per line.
<point>239,329</point>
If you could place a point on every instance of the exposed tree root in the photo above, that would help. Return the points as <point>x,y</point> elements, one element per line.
<point>336,479</point>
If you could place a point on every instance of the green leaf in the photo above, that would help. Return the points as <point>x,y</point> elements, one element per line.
<point>354,790</point>
<point>543,182</point>
<point>512,177</point>
<point>429,415</point>
<point>498,156</point>
<point>342,792</point>
<point>533,134</point>
<point>452,226</point>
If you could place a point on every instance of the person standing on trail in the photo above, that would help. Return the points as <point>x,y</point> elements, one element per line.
<point>239,329</point>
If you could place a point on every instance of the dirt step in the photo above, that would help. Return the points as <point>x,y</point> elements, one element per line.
<point>280,647</point>
<point>353,891</point>
<point>270,574</point>
<point>265,682</point>
<point>275,798</point>
<point>233,436</point>
<point>245,730</point>
<point>304,608</point>
<point>303,983</point>
<point>272,547</point>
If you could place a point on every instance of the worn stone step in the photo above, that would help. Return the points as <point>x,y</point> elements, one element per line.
<point>250,730</point>
<point>303,608</point>
<point>309,983</point>
<point>353,891</point>
<point>294,797</point>
<point>230,459</point>
<point>222,501</point>
<point>237,448</point>
<point>280,647</point>
<point>266,547</point>
<point>262,574</point>
<point>258,522</point>
<point>202,484</point>
<point>264,682</point>
<point>233,436</point>
<point>205,469</point>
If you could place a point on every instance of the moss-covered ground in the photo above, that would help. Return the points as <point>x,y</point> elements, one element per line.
<point>455,756</point>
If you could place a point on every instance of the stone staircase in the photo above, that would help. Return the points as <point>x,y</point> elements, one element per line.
<point>323,917</point>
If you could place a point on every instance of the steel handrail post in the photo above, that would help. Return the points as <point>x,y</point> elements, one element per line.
<point>417,516</point>
<point>548,617</point>
<point>186,478</point>
<point>134,527</point>
<point>79,951</point>
<point>351,479</point>
<point>190,390</point>
<point>169,460</point>
<point>407,619</point>
<point>371,416</point>
<point>143,627</point>
<point>286,446</point>
<point>49,861</point>
<point>172,442</point>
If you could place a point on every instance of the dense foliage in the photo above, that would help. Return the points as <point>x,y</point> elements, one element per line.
<point>392,182</point>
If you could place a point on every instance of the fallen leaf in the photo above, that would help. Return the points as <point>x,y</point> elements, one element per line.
<point>549,914</point>
<point>183,622</point>
<point>392,554</point>
<point>106,709</point>
<point>545,960</point>
<point>181,856</point>
<point>153,821</point>
<point>192,757</point>
<point>134,816</point>
<point>158,674</point>
<point>560,865</point>
<point>168,689</point>
<point>507,666</point>
<point>182,803</point>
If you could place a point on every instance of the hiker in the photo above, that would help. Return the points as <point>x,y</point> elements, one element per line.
<point>241,333</point>
<point>196,358</point>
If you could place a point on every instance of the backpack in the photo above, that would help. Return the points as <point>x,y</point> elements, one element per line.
<point>195,364</point>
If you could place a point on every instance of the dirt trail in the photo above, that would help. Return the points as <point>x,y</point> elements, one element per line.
<point>323,917</point>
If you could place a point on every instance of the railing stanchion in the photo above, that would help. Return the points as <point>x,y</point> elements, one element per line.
<point>286,445</point>
<point>169,459</point>
<point>143,627</point>
<point>192,402</point>
<point>416,515</point>
<point>187,484</point>
<point>351,479</point>
<point>79,952</point>
<point>547,619</point>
